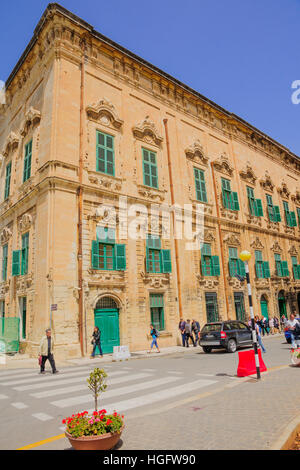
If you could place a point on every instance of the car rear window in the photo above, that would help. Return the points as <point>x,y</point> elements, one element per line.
<point>212,327</point>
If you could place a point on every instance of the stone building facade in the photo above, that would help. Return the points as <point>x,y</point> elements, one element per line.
<point>86,124</point>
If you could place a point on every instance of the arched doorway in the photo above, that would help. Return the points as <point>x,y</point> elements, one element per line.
<point>264,307</point>
<point>282,304</point>
<point>107,319</point>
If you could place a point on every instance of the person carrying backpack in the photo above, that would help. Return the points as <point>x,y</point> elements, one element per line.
<point>154,333</point>
<point>196,330</point>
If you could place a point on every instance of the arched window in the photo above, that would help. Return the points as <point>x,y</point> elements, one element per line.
<point>106,302</point>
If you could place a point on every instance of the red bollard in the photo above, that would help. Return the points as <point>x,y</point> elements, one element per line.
<point>247,363</point>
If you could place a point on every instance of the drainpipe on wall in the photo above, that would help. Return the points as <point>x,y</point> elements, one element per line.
<point>220,238</point>
<point>173,218</point>
<point>80,204</point>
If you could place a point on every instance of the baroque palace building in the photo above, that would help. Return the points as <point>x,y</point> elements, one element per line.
<point>86,122</point>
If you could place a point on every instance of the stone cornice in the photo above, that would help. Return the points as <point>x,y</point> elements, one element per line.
<point>60,28</point>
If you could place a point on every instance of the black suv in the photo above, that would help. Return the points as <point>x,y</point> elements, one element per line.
<point>229,334</point>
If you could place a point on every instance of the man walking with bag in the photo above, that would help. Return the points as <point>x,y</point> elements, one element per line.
<point>196,330</point>
<point>46,352</point>
<point>188,333</point>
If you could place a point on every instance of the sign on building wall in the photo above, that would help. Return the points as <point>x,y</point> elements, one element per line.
<point>121,353</point>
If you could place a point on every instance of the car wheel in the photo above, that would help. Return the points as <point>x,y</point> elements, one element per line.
<point>207,349</point>
<point>231,346</point>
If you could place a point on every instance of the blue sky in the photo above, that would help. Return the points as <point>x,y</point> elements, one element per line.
<point>242,54</point>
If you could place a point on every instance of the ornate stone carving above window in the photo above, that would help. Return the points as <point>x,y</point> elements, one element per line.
<point>293,251</point>
<point>147,132</point>
<point>206,283</point>
<point>276,247</point>
<point>155,281</point>
<point>105,113</point>
<point>209,236</point>
<point>257,244</point>
<point>234,282</point>
<point>223,165</point>
<point>252,219</point>
<point>231,239</point>
<point>283,190</point>
<point>267,183</point>
<point>25,222</point>
<point>32,118</point>
<point>195,153</point>
<point>12,142</point>
<point>5,235</point>
<point>248,174</point>
<point>229,214</point>
<point>150,193</point>
<point>111,183</point>
<point>296,197</point>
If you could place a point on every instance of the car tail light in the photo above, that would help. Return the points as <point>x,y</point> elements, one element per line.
<point>223,334</point>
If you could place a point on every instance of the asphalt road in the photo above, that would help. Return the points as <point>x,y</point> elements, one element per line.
<point>32,406</point>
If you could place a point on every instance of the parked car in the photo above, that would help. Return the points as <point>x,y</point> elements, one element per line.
<point>229,335</point>
<point>287,333</point>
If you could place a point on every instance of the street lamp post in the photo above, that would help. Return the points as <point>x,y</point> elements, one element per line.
<point>245,257</point>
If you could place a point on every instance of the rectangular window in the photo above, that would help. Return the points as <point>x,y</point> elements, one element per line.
<point>230,198</point>
<point>150,169</point>
<point>262,268</point>
<point>157,260</point>
<point>211,302</point>
<point>24,256</point>
<point>296,268</point>
<point>4,262</point>
<point>236,266</point>
<point>298,214</point>
<point>16,257</point>
<point>273,211</point>
<point>239,306</point>
<point>27,162</point>
<point>157,311</point>
<point>210,264</point>
<point>106,254</point>
<point>255,205</point>
<point>7,180</point>
<point>290,217</point>
<point>282,269</point>
<point>23,309</point>
<point>200,185</point>
<point>105,154</point>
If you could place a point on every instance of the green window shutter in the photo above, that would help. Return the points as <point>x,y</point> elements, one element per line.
<point>235,202</point>
<point>166,261</point>
<point>147,259</point>
<point>259,270</point>
<point>4,262</point>
<point>7,180</point>
<point>293,222</point>
<point>95,254</point>
<point>200,185</point>
<point>27,162</point>
<point>259,208</point>
<point>150,169</point>
<point>105,154</point>
<point>205,267</point>
<point>24,254</point>
<point>251,200</point>
<point>298,269</point>
<point>295,271</point>
<point>225,203</point>
<point>232,269</point>
<point>215,265</point>
<point>277,216</point>
<point>285,268</point>
<point>120,257</point>
<point>16,257</point>
<point>298,213</point>
<point>241,268</point>
<point>266,269</point>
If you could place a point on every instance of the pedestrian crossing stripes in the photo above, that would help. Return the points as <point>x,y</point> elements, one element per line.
<point>127,389</point>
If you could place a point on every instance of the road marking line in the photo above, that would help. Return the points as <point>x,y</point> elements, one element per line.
<point>40,443</point>
<point>42,416</point>
<point>75,388</point>
<point>53,383</point>
<point>154,397</point>
<point>28,373</point>
<point>19,405</point>
<point>2,397</point>
<point>114,393</point>
<point>206,375</point>
<point>44,378</point>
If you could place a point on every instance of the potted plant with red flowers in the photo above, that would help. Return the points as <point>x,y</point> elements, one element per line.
<point>98,430</point>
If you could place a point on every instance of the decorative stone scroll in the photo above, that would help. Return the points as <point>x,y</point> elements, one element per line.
<point>105,113</point>
<point>248,174</point>
<point>195,152</point>
<point>283,190</point>
<point>276,247</point>
<point>231,239</point>
<point>267,183</point>
<point>157,281</point>
<point>12,142</point>
<point>32,118</point>
<point>257,244</point>
<point>293,251</point>
<point>223,165</point>
<point>25,222</point>
<point>5,235</point>
<point>147,132</point>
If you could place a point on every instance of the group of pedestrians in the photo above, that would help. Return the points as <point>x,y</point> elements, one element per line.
<point>268,325</point>
<point>189,332</point>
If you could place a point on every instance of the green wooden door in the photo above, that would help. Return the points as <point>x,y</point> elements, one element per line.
<point>264,308</point>
<point>107,321</point>
<point>282,305</point>
<point>239,306</point>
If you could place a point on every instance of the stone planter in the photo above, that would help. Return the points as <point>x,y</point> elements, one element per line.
<point>102,442</point>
